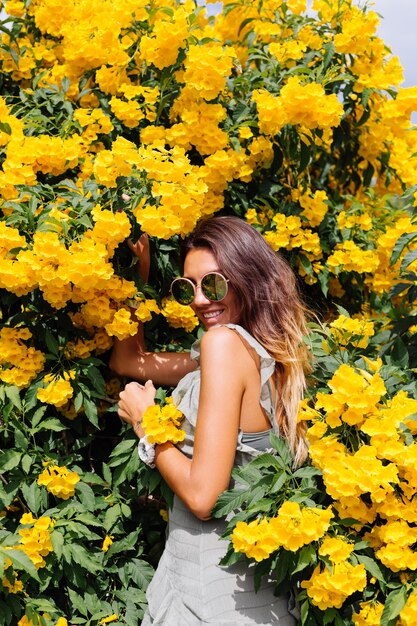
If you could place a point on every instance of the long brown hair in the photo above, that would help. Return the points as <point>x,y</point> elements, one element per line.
<point>271,309</point>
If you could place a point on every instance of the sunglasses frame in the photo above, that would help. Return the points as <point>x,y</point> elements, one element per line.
<point>195,286</point>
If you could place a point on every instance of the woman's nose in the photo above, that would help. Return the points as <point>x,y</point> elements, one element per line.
<point>199,297</point>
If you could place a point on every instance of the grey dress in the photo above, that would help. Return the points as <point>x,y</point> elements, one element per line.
<point>189,587</point>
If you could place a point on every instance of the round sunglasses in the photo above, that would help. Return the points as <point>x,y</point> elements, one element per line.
<point>214,287</point>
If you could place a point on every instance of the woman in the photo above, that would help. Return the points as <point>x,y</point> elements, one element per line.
<point>242,381</point>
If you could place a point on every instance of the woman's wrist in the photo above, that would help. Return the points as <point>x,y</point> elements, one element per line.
<point>138,430</point>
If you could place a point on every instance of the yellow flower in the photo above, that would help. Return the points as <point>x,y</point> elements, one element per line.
<point>330,588</point>
<point>254,539</point>
<point>59,481</point>
<point>179,316</point>
<point>369,615</point>
<point>336,548</point>
<point>161,424</point>
<point>408,614</point>
<point>57,391</point>
<point>145,309</point>
<point>35,541</point>
<point>107,542</point>
<point>110,618</point>
<point>356,332</point>
<point>295,526</point>
<point>122,325</point>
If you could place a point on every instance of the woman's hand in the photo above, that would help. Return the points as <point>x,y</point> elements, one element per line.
<point>133,402</point>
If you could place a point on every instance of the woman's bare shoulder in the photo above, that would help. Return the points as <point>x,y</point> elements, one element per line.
<point>222,340</point>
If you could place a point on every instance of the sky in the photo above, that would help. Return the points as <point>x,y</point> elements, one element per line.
<point>398,30</point>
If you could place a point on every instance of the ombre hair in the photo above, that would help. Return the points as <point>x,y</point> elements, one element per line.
<point>271,309</point>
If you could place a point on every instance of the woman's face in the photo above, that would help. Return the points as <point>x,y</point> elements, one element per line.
<point>198,263</point>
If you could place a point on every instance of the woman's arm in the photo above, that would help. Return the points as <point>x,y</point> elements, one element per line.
<point>130,357</point>
<point>199,482</point>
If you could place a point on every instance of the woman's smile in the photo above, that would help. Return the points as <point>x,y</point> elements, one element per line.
<point>198,263</point>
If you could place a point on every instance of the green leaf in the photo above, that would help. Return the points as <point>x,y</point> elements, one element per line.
<point>5,128</point>
<point>393,606</point>
<point>409,258</point>
<point>112,515</point>
<point>86,496</point>
<point>228,502</point>
<point>38,415</point>
<point>399,353</point>
<point>371,566</point>
<point>402,243</point>
<point>57,540</point>
<point>51,343</point>
<point>307,471</point>
<point>90,409</point>
<point>51,424</point>
<point>84,558</point>
<point>21,561</point>
<point>306,263</point>
<point>12,392</point>
<point>9,460</point>
<point>279,482</point>
<point>77,602</point>
<point>305,557</point>
<point>35,497</point>
<point>26,463</point>
<point>107,475</point>
<point>324,279</point>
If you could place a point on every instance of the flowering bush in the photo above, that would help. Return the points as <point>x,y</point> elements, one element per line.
<point>342,529</point>
<point>146,118</point>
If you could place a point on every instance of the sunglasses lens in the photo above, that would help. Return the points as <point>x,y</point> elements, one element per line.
<point>214,286</point>
<point>182,290</point>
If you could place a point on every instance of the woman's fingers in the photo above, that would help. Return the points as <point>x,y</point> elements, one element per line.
<point>134,400</point>
<point>141,250</point>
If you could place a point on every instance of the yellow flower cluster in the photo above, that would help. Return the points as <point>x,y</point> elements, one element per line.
<point>169,34</point>
<point>179,316</point>
<point>83,348</point>
<point>336,549</point>
<point>179,187</point>
<point>78,273</point>
<point>58,389</point>
<point>162,424</point>
<point>329,588</point>
<point>354,396</point>
<point>314,205</point>
<point>303,104</point>
<point>145,309</point>
<point>292,528</point>
<point>369,615</point>
<point>59,481</point>
<point>35,538</point>
<point>375,484</point>
<point>349,257</point>
<point>408,614</point>
<point>19,364</point>
<point>289,233</point>
<point>122,325</point>
<point>347,330</point>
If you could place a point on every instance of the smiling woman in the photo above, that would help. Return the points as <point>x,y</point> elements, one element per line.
<point>241,382</point>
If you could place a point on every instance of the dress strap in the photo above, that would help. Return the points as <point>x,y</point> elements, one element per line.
<point>267,369</point>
